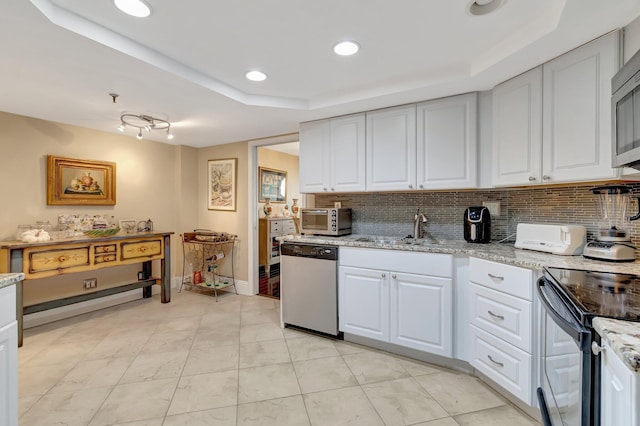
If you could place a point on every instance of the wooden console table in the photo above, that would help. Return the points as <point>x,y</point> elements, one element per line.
<point>80,254</point>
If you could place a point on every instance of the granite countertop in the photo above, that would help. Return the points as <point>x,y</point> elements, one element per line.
<point>497,252</point>
<point>624,339</point>
<point>10,279</point>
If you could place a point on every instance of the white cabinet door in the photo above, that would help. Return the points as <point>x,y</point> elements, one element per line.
<point>314,156</point>
<point>421,313</point>
<point>618,393</point>
<point>364,303</point>
<point>577,112</point>
<point>347,147</point>
<point>9,374</point>
<point>447,143</point>
<point>517,130</point>
<point>391,149</point>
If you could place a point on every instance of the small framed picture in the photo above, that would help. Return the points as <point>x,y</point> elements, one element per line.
<point>222,189</point>
<point>128,226</point>
<point>272,184</point>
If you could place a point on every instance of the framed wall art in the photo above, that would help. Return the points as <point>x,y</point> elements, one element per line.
<point>222,191</point>
<point>272,184</point>
<point>75,182</point>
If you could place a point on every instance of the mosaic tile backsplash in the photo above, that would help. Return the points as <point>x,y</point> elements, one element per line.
<point>391,214</point>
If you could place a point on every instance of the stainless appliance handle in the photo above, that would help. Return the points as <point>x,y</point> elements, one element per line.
<point>325,211</point>
<point>563,319</point>
<point>544,409</point>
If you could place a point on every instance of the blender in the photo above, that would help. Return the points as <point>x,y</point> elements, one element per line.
<point>613,239</point>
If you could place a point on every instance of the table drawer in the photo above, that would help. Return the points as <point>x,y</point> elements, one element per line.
<point>502,315</point>
<point>36,261</point>
<point>141,249</point>
<point>505,278</point>
<point>108,248</point>
<point>505,364</point>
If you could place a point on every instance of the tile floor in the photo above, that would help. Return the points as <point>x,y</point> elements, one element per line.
<point>197,362</point>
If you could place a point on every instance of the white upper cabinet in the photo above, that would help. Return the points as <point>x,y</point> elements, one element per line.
<point>553,123</point>
<point>447,143</point>
<point>332,155</point>
<point>517,130</point>
<point>391,149</point>
<point>576,131</point>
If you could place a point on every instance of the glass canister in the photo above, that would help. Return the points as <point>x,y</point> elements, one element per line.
<point>20,230</point>
<point>44,225</point>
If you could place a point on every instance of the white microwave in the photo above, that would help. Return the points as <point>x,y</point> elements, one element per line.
<point>625,105</point>
<point>325,221</point>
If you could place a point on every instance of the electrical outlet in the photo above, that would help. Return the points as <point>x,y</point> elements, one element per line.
<point>493,206</point>
<point>90,283</point>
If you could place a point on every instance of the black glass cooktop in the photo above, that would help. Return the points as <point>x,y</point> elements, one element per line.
<point>599,294</point>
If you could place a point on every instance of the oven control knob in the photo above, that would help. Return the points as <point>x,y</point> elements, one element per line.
<point>596,348</point>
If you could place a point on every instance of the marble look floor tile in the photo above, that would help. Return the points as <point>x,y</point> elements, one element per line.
<point>26,402</point>
<point>311,347</point>
<point>322,374</point>
<point>225,416</point>
<point>348,406</point>
<point>257,303</point>
<point>371,367</point>
<point>255,354</point>
<point>93,374</point>
<point>347,348</point>
<point>217,319</point>
<point>267,382</point>
<point>116,345</point>
<point>268,316</point>
<point>179,324</point>
<point>223,335</point>
<point>154,366</point>
<point>162,341</point>
<point>211,359</point>
<point>447,421</point>
<point>69,408</point>
<point>60,353</point>
<point>136,401</point>
<point>149,422</point>
<point>499,416</point>
<point>275,412</point>
<point>417,368</point>
<point>292,333</point>
<point>205,391</point>
<point>403,402</point>
<point>39,380</point>
<point>260,333</point>
<point>459,393</point>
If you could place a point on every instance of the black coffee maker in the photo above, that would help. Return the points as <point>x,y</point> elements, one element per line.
<point>477,225</point>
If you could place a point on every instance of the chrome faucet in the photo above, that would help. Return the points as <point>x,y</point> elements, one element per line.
<point>418,220</point>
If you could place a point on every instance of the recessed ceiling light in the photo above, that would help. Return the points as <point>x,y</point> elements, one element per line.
<point>482,7</point>
<point>256,76</point>
<point>137,8</point>
<point>346,48</point>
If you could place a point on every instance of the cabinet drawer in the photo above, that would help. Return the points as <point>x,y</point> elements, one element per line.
<point>141,249</point>
<point>433,264</point>
<point>53,259</point>
<point>109,248</point>
<point>289,227</point>
<point>505,278</point>
<point>502,315</point>
<point>7,305</point>
<point>505,364</point>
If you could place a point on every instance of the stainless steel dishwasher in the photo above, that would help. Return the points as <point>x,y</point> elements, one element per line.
<point>309,286</point>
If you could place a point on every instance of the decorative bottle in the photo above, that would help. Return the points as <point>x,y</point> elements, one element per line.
<point>267,209</point>
<point>295,208</point>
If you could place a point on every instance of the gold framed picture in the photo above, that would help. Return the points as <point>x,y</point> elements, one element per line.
<point>222,188</point>
<point>272,184</point>
<point>75,182</point>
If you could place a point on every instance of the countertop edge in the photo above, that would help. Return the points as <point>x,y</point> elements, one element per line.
<point>10,279</point>
<point>79,240</point>
<point>624,339</point>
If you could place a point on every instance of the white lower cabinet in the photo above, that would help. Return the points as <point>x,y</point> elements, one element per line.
<point>501,317</point>
<point>405,298</point>
<point>8,358</point>
<point>619,391</point>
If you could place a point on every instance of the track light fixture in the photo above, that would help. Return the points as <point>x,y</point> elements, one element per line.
<point>144,122</point>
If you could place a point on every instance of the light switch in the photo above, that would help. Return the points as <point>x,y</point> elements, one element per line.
<point>493,206</point>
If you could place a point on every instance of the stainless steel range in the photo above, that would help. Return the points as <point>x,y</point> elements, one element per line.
<point>570,392</point>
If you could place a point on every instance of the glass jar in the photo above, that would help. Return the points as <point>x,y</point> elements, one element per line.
<point>44,225</point>
<point>21,229</point>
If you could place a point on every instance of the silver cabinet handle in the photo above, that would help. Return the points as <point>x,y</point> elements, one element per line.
<point>545,177</point>
<point>532,179</point>
<point>495,277</point>
<point>410,186</point>
<point>500,317</point>
<point>393,276</point>
<point>499,364</point>
<point>421,186</point>
<point>383,275</point>
<point>596,348</point>
<point>333,189</point>
<point>324,189</point>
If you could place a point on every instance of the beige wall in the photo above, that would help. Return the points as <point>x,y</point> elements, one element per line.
<point>281,161</point>
<point>153,180</point>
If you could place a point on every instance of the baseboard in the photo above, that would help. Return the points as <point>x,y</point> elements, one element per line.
<point>56,314</point>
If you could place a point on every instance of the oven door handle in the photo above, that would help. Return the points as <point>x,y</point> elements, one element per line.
<point>567,322</point>
<point>544,408</point>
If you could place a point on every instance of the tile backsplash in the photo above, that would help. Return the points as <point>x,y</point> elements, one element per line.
<point>392,213</point>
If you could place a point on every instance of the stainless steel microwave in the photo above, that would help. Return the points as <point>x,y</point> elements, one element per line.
<point>625,105</point>
<point>325,221</point>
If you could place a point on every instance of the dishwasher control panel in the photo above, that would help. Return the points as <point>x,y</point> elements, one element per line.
<point>309,250</point>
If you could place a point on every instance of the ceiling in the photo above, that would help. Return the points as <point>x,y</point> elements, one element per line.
<point>186,62</point>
